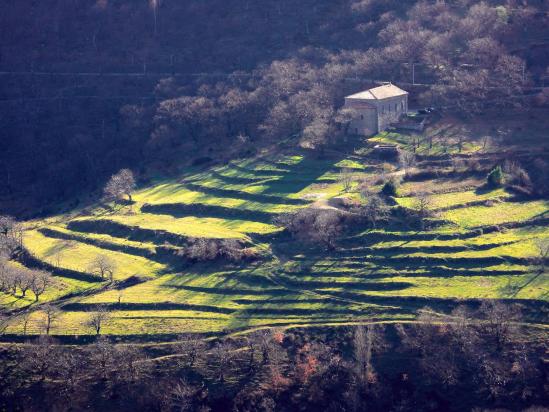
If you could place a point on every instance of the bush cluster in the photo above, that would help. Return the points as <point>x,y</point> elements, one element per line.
<point>203,249</point>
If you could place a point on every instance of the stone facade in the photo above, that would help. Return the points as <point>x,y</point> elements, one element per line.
<point>377,108</point>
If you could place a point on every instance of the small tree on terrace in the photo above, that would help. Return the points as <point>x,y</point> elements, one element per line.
<point>542,257</point>
<point>102,266</point>
<point>40,281</point>
<point>423,207</point>
<point>120,184</point>
<point>51,313</point>
<point>375,209</point>
<point>346,179</point>
<point>97,319</point>
<point>24,281</point>
<point>390,188</point>
<point>406,160</point>
<point>327,228</point>
<point>495,177</point>
<point>4,323</point>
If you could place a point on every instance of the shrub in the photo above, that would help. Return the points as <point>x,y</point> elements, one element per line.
<point>390,188</point>
<point>202,250</point>
<point>516,175</point>
<point>495,177</point>
<point>321,226</point>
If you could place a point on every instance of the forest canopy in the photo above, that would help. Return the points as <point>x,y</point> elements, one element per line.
<point>116,82</point>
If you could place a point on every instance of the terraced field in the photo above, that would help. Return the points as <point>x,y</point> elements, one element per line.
<point>482,249</point>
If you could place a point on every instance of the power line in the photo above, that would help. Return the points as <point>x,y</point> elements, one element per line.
<point>121,74</point>
<point>31,99</point>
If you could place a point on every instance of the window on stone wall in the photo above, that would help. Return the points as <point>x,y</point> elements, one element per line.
<point>361,117</point>
<point>402,106</point>
<point>382,109</point>
<point>396,107</point>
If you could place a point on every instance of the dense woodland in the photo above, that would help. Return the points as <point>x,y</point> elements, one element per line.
<point>424,367</point>
<point>91,87</point>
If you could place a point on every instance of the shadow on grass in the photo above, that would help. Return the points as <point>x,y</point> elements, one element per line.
<point>532,309</point>
<point>363,285</point>
<point>251,197</point>
<point>277,301</point>
<point>237,180</point>
<point>399,250</point>
<point>315,312</point>
<point>232,291</point>
<point>179,210</point>
<point>435,272</point>
<point>120,230</point>
<point>136,251</point>
<point>33,262</point>
<point>259,173</point>
<point>85,307</point>
<point>302,174</point>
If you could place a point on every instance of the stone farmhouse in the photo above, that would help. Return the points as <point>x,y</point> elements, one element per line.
<point>377,108</point>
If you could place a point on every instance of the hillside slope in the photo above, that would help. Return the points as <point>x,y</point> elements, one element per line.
<point>482,246</point>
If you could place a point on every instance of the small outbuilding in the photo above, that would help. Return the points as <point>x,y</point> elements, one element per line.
<point>377,108</point>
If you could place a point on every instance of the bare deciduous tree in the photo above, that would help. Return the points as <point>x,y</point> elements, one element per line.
<point>38,358</point>
<point>129,364</point>
<point>25,318</point>
<point>542,257</point>
<point>367,340</point>
<point>25,280</point>
<point>51,313</point>
<point>5,273</point>
<point>374,210</point>
<point>344,117</point>
<point>322,226</point>
<point>423,207</point>
<point>346,179</point>
<point>40,281</point>
<point>4,323</point>
<point>120,184</point>
<point>97,319</point>
<point>182,395</point>
<point>406,160</point>
<point>221,357</point>
<point>500,321</point>
<point>328,226</point>
<point>192,348</point>
<point>102,266</point>
<point>11,236</point>
<point>102,356</point>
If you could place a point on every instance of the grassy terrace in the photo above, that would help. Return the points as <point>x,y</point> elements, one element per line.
<point>373,274</point>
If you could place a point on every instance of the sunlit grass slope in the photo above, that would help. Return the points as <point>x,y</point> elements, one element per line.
<point>382,274</point>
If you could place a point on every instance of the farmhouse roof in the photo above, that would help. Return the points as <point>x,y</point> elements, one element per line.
<point>378,93</point>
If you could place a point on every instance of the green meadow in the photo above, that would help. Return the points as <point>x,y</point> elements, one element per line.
<point>376,274</point>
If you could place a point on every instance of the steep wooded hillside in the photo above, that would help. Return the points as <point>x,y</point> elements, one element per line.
<point>89,87</point>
